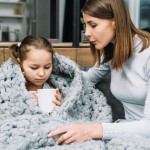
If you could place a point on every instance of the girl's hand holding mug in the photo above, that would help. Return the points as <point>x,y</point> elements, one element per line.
<point>56,101</point>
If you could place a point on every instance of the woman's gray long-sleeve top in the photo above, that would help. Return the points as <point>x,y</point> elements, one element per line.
<point>130,85</point>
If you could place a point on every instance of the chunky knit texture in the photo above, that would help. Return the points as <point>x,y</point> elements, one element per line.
<point>24,127</point>
<point>129,143</point>
<point>22,124</point>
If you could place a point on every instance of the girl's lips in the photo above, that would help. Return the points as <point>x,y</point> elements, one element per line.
<point>40,80</point>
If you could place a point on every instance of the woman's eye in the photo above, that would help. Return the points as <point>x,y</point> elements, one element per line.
<point>93,25</point>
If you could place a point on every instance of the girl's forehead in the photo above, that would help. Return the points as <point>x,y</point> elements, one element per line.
<point>40,57</point>
<point>38,54</point>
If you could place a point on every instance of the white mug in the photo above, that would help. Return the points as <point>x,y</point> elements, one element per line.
<point>45,99</point>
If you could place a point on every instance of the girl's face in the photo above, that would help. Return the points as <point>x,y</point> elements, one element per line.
<point>100,31</point>
<point>37,67</point>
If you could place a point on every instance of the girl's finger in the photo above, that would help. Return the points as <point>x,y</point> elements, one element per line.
<point>57,91</point>
<point>56,102</point>
<point>33,92</point>
<point>55,107</point>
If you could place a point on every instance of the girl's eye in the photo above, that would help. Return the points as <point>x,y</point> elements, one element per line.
<point>33,68</point>
<point>47,67</point>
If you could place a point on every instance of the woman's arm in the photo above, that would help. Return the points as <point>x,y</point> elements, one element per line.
<point>82,132</point>
<point>126,129</point>
<point>138,127</point>
<point>96,73</point>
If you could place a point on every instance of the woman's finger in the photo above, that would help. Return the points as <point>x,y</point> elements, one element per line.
<point>58,131</point>
<point>70,140</point>
<point>60,140</point>
<point>65,137</point>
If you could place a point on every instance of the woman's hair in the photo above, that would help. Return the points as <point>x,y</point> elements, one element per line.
<point>125,30</point>
<point>20,51</point>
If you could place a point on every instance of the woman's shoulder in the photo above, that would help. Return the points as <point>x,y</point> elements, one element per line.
<point>138,44</point>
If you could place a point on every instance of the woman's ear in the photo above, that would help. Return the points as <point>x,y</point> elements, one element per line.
<point>113,24</point>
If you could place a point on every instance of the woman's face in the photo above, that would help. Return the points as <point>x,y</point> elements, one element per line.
<point>99,31</point>
<point>37,67</point>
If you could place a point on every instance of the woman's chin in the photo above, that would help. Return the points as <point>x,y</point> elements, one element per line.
<point>98,47</point>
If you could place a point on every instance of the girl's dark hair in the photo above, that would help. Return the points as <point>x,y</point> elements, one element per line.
<point>125,30</point>
<point>20,51</point>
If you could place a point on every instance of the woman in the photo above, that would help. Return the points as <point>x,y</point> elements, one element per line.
<point>122,49</point>
<point>35,57</point>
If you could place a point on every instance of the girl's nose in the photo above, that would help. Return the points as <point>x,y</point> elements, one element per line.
<point>41,72</point>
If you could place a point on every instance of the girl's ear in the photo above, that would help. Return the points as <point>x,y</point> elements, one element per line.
<point>20,65</point>
<point>18,60</point>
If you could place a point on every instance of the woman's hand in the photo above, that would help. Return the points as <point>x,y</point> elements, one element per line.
<point>58,96</point>
<point>77,133</point>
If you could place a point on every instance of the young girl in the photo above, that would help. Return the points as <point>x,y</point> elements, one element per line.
<point>35,57</point>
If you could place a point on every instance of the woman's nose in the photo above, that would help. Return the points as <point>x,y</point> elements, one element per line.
<point>87,32</point>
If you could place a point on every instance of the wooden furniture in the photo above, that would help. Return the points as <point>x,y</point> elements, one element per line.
<point>13,14</point>
<point>2,55</point>
<point>82,56</point>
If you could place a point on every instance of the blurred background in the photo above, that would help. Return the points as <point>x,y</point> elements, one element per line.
<point>57,20</point>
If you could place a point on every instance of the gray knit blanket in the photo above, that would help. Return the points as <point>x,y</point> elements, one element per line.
<point>23,126</point>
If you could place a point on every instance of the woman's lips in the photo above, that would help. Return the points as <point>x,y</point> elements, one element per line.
<point>93,42</point>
